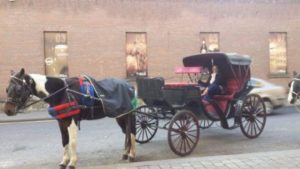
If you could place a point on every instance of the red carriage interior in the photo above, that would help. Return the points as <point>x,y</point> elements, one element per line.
<point>235,72</point>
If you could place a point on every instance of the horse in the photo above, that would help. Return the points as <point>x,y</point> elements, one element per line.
<point>294,88</point>
<point>56,92</point>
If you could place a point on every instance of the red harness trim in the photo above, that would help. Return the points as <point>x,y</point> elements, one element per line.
<point>58,111</point>
<point>64,106</point>
<point>70,113</point>
<point>80,81</point>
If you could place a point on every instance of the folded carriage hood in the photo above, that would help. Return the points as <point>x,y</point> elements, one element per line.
<point>218,58</point>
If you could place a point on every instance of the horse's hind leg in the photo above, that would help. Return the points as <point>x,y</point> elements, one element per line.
<point>122,123</point>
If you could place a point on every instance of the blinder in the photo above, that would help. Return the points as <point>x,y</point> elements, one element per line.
<point>18,92</point>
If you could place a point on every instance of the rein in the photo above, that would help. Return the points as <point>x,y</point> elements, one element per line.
<point>44,98</point>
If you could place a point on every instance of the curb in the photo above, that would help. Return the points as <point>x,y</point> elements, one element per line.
<point>26,120</point>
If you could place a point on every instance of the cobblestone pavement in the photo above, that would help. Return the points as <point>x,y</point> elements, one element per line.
<point>288,159</point>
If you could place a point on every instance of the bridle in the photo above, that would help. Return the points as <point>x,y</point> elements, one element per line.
<point>26,93</point>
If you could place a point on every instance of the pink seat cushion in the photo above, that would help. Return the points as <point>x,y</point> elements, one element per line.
<point>183,70</point>
<point>178,84</point>
<point>223,100</point>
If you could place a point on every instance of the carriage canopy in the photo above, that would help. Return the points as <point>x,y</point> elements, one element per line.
<point>232,65</point>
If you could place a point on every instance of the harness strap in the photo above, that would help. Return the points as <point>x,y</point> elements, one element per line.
<point>47,97</point>
<point>18,79</point>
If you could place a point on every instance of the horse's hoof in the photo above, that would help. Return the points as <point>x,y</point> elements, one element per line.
<point>71,167</point>
<point>124,157</point>
<point>61,166</point>
<point>131,159</point>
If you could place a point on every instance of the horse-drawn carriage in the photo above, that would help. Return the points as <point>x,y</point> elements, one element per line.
<point>182,106</point>
<point>74,99</point>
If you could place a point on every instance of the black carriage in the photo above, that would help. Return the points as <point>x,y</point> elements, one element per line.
<point>181,105</point>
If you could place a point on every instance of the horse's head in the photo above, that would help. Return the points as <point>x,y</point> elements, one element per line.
<point>18,92</point>
<point>294,88</point>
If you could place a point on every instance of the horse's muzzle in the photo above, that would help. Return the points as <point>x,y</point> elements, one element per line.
<point>10,108</point>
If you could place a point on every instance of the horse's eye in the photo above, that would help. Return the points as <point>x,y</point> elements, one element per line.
<point>18,88</point>
<point>6,90</point>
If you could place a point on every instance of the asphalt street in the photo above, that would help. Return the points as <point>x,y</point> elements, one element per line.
<point>30,145</point>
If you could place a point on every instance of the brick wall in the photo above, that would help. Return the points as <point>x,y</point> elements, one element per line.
<point>96,33</point>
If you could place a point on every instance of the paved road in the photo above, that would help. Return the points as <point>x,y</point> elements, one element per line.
<point>38,144</point>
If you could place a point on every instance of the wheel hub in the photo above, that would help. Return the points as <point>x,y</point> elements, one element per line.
<point>144,124</point>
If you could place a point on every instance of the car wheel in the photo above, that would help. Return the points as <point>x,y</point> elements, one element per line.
<point>269,106</point>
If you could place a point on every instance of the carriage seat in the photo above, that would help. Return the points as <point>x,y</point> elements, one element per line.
<point>231,88</point>
<point>222,100</point>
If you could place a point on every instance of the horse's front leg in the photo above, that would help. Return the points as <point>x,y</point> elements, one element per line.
<point>73,129</point>
<point>132,152</point>
<point>65,142</point>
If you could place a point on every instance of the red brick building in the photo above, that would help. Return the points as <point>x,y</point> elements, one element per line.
<point>97,37</point>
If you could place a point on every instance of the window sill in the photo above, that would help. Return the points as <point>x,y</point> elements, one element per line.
<point>279,75</point>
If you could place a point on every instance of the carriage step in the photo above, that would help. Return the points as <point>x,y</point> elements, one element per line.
<point>177,106</point>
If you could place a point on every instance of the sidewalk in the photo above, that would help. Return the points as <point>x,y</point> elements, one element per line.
<point>26,116</point>
<point>288,159</point>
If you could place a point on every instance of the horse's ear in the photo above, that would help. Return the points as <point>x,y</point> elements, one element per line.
<point>12,72</point>
<point>295,73</point>
<point>22,72</point>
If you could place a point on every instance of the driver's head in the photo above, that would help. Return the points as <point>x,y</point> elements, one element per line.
<point>215,69</point>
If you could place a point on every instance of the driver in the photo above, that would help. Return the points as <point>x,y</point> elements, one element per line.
<point>215,84</point>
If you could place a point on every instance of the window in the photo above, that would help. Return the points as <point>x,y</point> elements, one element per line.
<point>136,54</point>
<point>56,53</point>
<point>278,53</point>
<point>209,42</point>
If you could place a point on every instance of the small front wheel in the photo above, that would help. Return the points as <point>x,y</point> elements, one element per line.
<point>183,133</point>
<point>253,116</point>
<point>146,124</point>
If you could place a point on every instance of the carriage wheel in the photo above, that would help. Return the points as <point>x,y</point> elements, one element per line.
<point>183,133</point>
<point>253,116</point>
<point>205,123</point>
<point>146,124</point>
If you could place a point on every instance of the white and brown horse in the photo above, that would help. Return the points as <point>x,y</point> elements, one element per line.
<point>294,88</point>
<point>53,91</point>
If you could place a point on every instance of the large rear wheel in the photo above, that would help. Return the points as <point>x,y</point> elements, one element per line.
<point>253,116</point>
<point>146,124</point>
<point>183,133</point>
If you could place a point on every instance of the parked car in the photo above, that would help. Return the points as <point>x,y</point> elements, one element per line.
<point>274,96</point>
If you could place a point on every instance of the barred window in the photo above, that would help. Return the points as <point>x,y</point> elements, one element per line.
<point>209,42</point>
<point>278,53</point>
<point>136,54</point>
<point>56,53</point>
